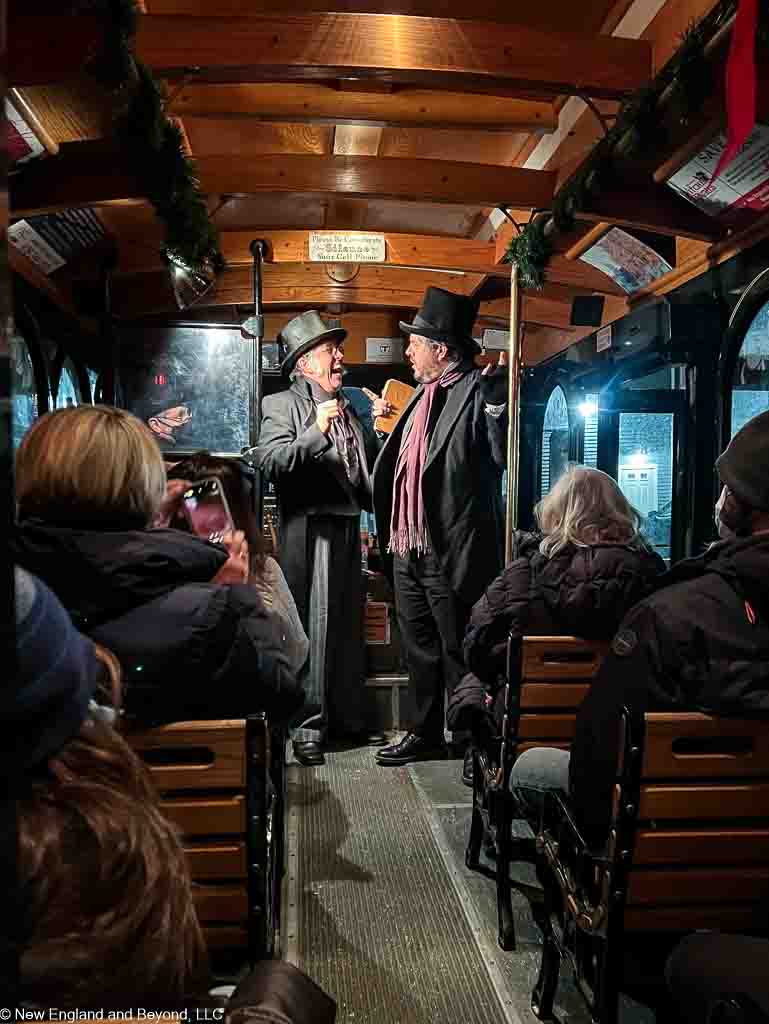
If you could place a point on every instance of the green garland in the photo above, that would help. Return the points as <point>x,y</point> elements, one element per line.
<point>682,85</point>
<point>151,142</point>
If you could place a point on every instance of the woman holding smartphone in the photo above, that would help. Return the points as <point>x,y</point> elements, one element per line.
<point>202,469</point>
<point>193,638</point>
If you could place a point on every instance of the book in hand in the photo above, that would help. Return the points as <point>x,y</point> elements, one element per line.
<point>398,395</point>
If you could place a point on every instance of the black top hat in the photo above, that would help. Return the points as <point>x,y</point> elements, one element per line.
<point>444,316</point>
<point>303,333</point>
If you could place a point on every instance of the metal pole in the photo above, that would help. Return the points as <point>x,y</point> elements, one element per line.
<point>258,251</point>
<point>514,403</point>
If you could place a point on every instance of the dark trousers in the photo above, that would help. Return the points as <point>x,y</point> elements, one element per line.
<point>432,622</point>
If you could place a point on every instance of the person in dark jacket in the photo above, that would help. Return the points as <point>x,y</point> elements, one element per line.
<point>103,915</point>
<point>438,505</point>
<point>193,644</point>
<point>577,577</point>
<point>701,642</point>
<point>716,978</point>
<point>315,449</point>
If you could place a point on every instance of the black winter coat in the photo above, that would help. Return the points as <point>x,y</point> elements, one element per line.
<point>189,648</point>
<point>460,483</point>
<point>581,592</point>
<point>701,643</point>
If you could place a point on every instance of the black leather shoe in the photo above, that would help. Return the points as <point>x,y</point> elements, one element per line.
<point>308,752</point>
<point>411,748</point>
<point>467,769</point>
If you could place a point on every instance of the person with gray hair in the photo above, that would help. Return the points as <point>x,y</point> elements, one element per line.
<point>318,453</point>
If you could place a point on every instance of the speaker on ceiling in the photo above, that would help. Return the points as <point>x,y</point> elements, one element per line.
<point>587,311</point>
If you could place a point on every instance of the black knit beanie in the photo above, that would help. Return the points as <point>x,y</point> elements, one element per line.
<point>46,701</point>
<point>744,466</point>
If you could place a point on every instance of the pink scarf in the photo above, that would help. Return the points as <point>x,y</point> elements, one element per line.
<point>408,529</point>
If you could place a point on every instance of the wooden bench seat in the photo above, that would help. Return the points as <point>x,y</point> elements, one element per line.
<point>688,848</point>
<point>551,675</point>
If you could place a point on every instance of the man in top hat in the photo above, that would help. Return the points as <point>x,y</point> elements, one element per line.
<point>438,505</point>
<point>315,449</point>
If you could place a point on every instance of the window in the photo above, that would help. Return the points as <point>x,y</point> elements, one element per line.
<point>68,393</point>
<point>23,386</point>
<point>750,384</point>
<point>589,412</point>
<point>645,472</point>
<point>555,440</point>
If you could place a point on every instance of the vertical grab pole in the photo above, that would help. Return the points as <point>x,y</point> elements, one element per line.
<point>258,251</point>
<point>514,407</point>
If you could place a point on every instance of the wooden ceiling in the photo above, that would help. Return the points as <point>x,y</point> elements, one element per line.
<point>415,123</point>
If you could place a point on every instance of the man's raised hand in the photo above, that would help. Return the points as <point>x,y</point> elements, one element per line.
<point>327,411</point>
<point>379,406</point>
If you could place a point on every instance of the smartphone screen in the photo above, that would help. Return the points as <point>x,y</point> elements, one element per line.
<point>206,509</point>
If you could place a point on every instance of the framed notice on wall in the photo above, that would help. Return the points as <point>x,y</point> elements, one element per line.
<point>743,185</point>
<point>346,247</point>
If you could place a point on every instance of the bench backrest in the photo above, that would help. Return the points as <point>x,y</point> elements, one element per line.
<point>555,674</point>
<point>692,803</point>
<point>213,777</point>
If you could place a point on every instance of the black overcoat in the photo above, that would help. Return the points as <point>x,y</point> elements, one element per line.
<point>309,476</point>
<point>461,487</point>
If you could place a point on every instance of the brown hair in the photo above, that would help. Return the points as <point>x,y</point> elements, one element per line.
<point>109,920</point>
<point>202,464</point>
<point>90,465</point>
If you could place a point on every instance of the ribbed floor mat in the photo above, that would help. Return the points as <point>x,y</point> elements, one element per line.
<point>376,921</point>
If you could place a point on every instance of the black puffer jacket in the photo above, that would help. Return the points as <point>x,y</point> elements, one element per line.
<point>578,592</point>
<point>189,648</point>
<point>701,642</point>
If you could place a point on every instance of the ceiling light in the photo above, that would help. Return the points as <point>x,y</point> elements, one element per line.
<point>189,284</point>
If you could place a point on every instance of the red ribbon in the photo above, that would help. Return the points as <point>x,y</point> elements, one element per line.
<point>740,82</point>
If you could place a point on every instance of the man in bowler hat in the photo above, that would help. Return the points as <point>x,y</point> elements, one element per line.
<point>438,505</point>
<point>315,449</point>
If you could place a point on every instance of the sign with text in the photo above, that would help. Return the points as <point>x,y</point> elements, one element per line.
<point>603,339</point>
<point>346,247</point>
<point>23,237</point>
<point>742,185</point>
<point>384,350</point>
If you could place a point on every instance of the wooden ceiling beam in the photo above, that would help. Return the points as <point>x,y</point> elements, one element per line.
<point>436,53</point>
<point>460,254</point>
<point>287,285</point>
<point>479,10</point>
<point>404,108</point>
<point>83,174</point>
<point>652,208</point>
<point>466,56</point>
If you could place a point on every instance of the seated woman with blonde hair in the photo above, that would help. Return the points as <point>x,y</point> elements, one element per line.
<point>194,640</point>
<point>576,577</point>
